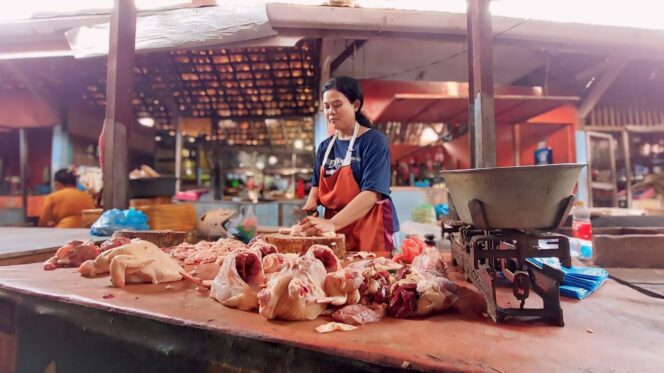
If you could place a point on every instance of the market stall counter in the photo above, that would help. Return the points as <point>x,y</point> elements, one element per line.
<point>60,320</point>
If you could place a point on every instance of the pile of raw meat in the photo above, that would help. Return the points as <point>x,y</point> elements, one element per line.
<point>360,289</point>
<point>364,290</point>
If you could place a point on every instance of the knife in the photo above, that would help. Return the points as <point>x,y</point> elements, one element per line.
<point>299,214</point>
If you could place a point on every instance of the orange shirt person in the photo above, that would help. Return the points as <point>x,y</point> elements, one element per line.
<point>62,208</point>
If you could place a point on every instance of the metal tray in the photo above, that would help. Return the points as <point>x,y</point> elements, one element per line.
<point>522,197</point>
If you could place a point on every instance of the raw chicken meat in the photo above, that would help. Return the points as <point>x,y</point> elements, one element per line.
<point>205,251</point>
<point>264,247</point>
<point>72,254</point>
<point>293,293</point>
<point>342,287</point>
<point>334,326</point>
<point>239,280</point>
<point>296,230</point>
<point>362,255</point>
<point>358,314</point>
<point>430,262</point>
<point>326,256</point>
<point>420,294</point>
<point>113,242</point>
<point>137,262</point>
<point>273,263</point>
<point>376,286</point>
<point>379,264</point>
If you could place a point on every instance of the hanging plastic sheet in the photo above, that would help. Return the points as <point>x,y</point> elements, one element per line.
<point>233,22</point>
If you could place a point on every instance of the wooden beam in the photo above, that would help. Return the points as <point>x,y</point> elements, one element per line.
<point>119,109</point>
<point>600,86</point>
<point>352,48</point>
<point>481,108</point>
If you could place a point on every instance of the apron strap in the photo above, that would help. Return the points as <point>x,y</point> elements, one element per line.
<point>349,152</point>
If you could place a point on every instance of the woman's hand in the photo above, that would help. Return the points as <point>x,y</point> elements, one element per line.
<point>314,226</point>
<point>312,200</point>
<point>310,205</point>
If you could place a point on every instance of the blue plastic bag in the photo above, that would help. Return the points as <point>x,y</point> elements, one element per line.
<point>115,220</point>
<point>578,282</point>
<point>442,209</point>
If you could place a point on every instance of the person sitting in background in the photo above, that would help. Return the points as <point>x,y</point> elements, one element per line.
<point>62,208</point>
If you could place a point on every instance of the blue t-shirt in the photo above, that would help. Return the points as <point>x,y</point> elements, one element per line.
<point>370,163</point>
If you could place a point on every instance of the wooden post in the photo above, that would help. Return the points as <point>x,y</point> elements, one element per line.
<point>119,111</point>
<point>23,160</point>
<point>480,88</point>
<point>628,165</point>
<point>178,153</point>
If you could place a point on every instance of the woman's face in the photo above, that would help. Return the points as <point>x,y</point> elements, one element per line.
<point>340,112</point>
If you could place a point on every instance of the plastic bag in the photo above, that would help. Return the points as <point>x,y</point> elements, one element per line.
<point>424,214</point>
<point>244,225</point>
<point>115,220</point>
<point>578,282</point>
<point>410,248</point>
<point>442,209</point>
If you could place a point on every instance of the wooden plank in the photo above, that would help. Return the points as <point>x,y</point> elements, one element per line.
<point>481,92</point>
<point>119,109</point>
<point>343,56</point>
<point>600,86</point>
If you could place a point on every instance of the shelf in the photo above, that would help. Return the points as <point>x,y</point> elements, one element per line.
<point>602,186</point>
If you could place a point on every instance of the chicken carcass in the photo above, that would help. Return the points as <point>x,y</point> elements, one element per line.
<point>239,280</point>
<point>137,262</point>
<point>72,254</point>
<point>293,293</point>
<point>263,247</point>
<point>326,256</point>
<point>359,314</point>
<point>113,242</point>
<point>273,263</point>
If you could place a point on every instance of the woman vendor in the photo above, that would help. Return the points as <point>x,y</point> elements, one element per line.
<point>351,176</point>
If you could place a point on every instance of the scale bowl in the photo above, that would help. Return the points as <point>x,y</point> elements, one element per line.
<point>522,197</point>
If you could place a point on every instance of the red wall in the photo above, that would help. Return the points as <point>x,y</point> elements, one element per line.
<point>39,154</point>
<point>556,127</point>
<point>378,93</point>
<point>413,151</point>
<point>22,110</point>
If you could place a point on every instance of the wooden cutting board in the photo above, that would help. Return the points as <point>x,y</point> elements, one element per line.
<point>300,245</point>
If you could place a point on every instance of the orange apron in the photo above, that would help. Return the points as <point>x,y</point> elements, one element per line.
<point>374,231</point>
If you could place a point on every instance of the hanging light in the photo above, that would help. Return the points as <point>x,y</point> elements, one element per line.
<point>428,136</point>
<point>147,121</point>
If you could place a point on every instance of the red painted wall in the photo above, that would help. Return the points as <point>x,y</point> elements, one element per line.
<point>378,93</point>
<point>556,127</point>
<point>420,154</point>
<point>39,154</point>
<point>22,110</point>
